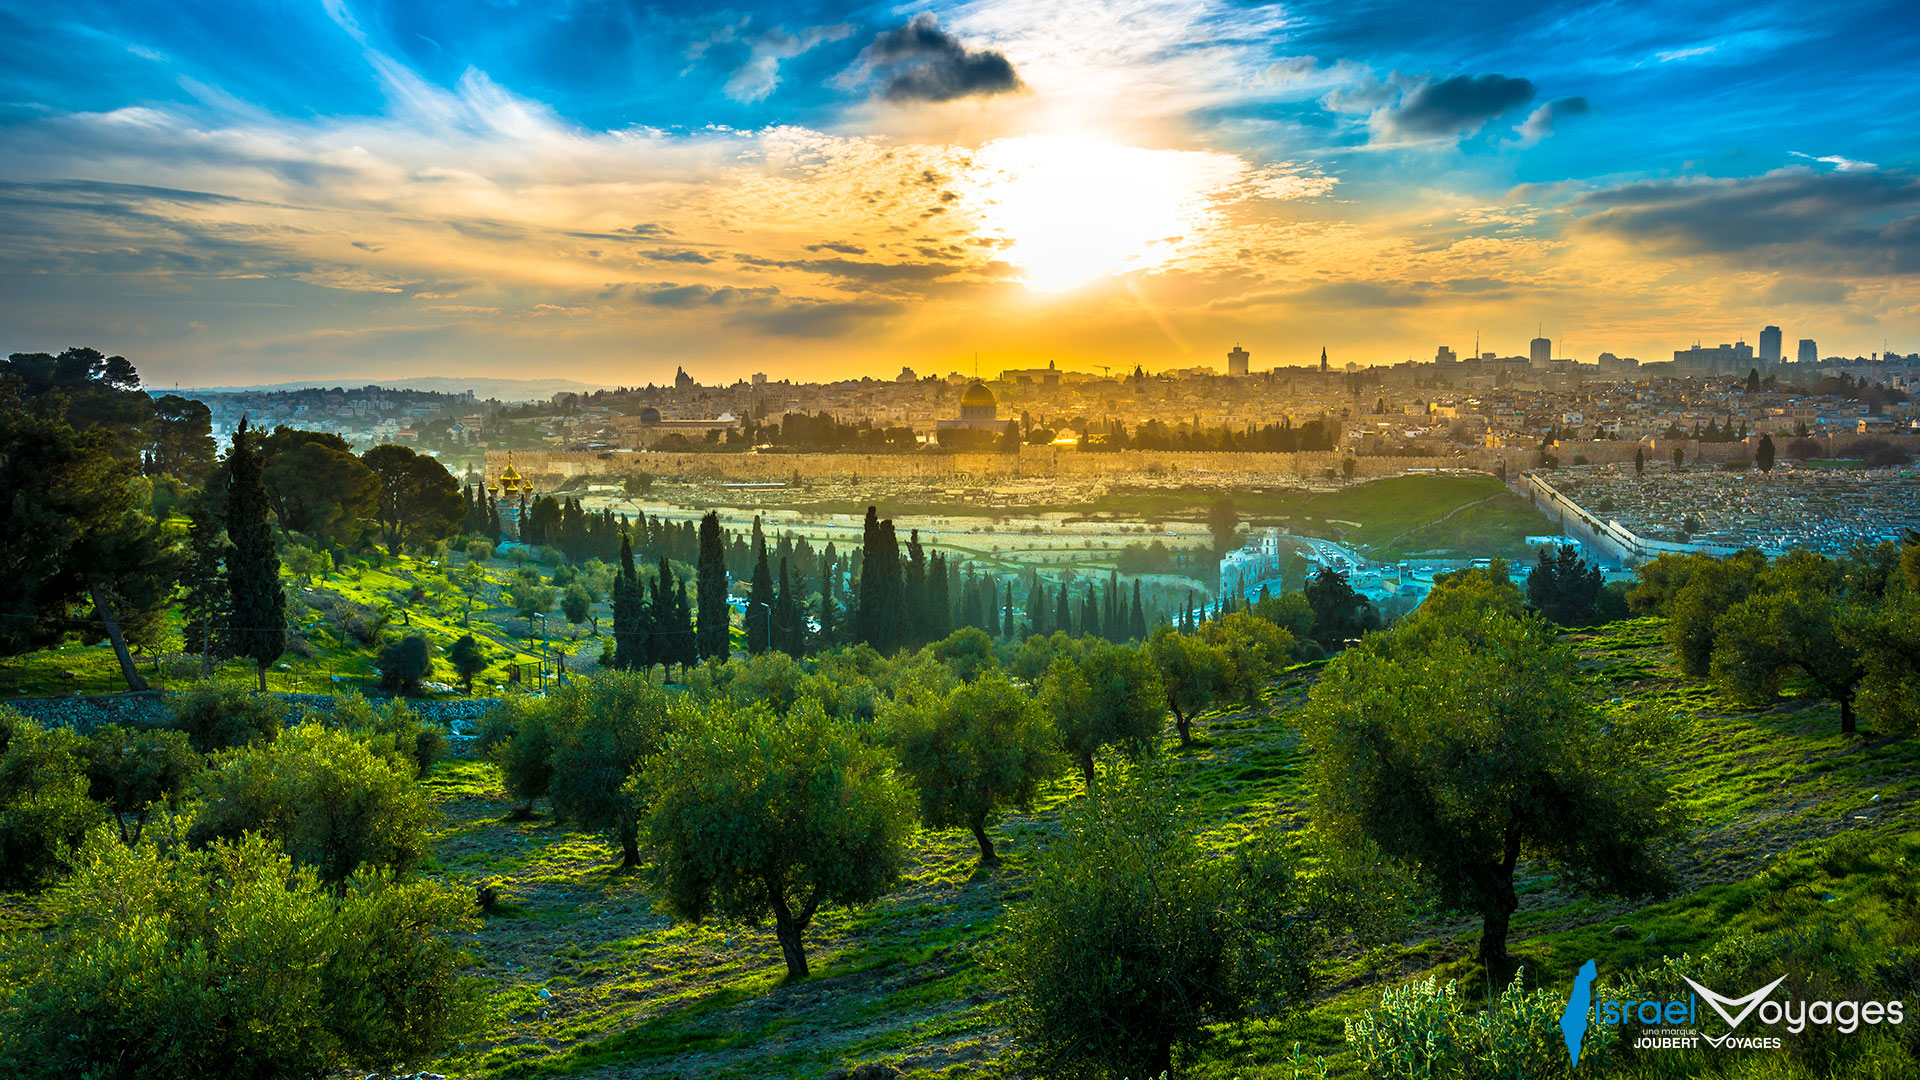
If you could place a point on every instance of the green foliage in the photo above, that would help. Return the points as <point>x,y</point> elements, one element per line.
<point>330,801</point>
<point>220,716</point>
<point>404,664</point>
<point>230,962</point>
<point>986,746</point>
<point>1111,698</point>
<point>518,737</point>
<point>757,816</point>
<point>1192,673</point>
<point>604,727</point>
<point>1134,940</point>
<point>392,730</point>
<point>468,659</point>
<point>1794,620</point>
<point>1426,1029</point>
<point>259,607</point>
<point>1461,740</point>
<point>1037,654</point>
<point>968,651</point>
<point>576,603</point>
<point>1706,589</point>
<point>1251,649</point>
<point>1566,589</point>
<point>129,771</point>
<point>44,809</point>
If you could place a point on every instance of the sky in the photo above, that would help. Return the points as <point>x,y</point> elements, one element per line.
<point>232,193</point>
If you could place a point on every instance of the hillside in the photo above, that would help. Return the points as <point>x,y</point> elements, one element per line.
<point>1792,826</point>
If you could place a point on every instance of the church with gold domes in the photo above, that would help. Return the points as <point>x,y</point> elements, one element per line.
<point>508,490</point>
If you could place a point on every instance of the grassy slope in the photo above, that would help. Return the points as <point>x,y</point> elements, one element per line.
<point>631,995</point>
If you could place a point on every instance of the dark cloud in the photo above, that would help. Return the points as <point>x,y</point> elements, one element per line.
<point>844,249</point>
<point>1861,222</point>
<point>1544,120</point>
<point>1456,106</point>
<point>809,318</point>
<point>679,257</point>
<point>667,294</point>
<point>921,62</point>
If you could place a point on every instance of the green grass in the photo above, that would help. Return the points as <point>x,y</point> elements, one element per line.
<point>1783,814</point>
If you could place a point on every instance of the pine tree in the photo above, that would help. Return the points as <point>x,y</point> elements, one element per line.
<point>259,611</point>
<point>760,603</point>
<point>715,616</point>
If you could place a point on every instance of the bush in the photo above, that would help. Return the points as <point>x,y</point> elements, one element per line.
<point>392,730</point>
<point>329,801</point>
<point>129,771</point>
<point>1135,940</point>
<point>404,664</point>
<point>44,810</point>
<point>229,962</point>
<point>220,716</point>
<point>517,736</point>
<point>1424,1029</point>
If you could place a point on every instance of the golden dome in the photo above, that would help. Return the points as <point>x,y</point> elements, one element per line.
<point>977,396</point>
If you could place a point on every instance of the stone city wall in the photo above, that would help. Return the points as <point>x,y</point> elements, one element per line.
<point>547,469</point>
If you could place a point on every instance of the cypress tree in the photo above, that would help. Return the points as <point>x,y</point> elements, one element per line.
<point>686,651</point>
<point>1115,627</point>
<point>916,591</point>
<point>893,624</point>
<point>1062,614</point>
<point>829,573</point>
<point>1037,607</point>
<point>715,616</point>
<point>207,598</point>
<point>866,620</point>
<point>662,645</point>
<point>939,597</point>
<point>259,608</point>
<point>760,604</point>
<point>1090,613</point>
<point>1006,628</point>
<point>1139,627</point>
<point>786,622</point>
<point>626,600</point>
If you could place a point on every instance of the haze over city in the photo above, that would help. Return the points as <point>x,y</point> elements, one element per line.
<point>342,190</point>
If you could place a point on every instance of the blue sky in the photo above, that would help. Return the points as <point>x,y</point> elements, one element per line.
<point>245,192</point>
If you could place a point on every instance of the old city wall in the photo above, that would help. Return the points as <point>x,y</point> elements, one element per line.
<point>552,467</point>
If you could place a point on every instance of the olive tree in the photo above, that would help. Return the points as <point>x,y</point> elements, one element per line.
<point>232,963</point>
<point>1192,673</point>
<point>129,771</point>
<point>1135,938</point>
<point>329,801</point>
<point>44,809</point>
<point>984,747</point>
<point>757,816</point>
<point>222,715</point>
<point>1794,620</point>
<point>1463,741</point>
<point>603,728</point>
<point>1111,697</point>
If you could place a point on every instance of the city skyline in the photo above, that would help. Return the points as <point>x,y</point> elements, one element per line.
<point>347,191</point>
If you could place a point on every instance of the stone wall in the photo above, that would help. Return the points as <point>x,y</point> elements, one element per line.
<point>549,468</point>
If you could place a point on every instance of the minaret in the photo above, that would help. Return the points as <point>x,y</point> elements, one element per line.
<point>1323,358</point>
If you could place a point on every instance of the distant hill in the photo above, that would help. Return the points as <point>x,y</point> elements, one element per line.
<point>503,389</point>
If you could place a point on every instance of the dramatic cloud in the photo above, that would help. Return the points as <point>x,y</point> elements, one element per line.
<point>1544,120</point>
<point>1864,222</point>
<point>1452,107</point>
<point>921,62</point>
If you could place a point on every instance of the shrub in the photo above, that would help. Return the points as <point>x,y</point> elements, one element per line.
<point>404,664</point>
<point>129,771</point>
<point>44,810</point>
<point>1135,940</point>
<point>229,962</point>
<point>1425,1029</point>
<point>517,736</point>
<point>330,802</point>
<point>392,730</point>
<point>220,716</point>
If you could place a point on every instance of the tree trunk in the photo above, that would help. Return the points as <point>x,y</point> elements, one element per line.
<point>1499,916</point>
<point>104,608</point>
<point>1847,726</point>
<point>1162,1064</point>
<point>629,844</point>
<point>788,927</point>
<point>987,856</point>
<point>262,670</point>
<point>1183,725</point>
<point>1086,768</point>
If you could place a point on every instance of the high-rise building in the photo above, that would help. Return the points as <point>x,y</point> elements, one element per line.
<point>1237,361</point>
<point>1540,352</point>
<point>1445,356</point>
<point>1736,359</point>
<point>1770,344</point>
<point>1809,352</point>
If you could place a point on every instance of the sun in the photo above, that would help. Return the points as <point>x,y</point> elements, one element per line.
<point>1074,209</point>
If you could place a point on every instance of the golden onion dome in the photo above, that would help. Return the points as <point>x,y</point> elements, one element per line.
<point>977,396</point>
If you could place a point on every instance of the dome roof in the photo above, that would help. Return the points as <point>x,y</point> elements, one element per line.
<point>649,414</point>
<point>977,396</point>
